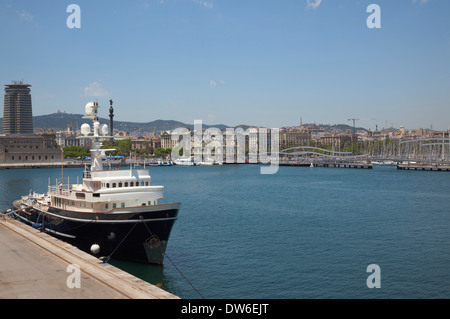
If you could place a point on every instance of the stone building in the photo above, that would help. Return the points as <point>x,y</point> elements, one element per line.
<point>38,148</point>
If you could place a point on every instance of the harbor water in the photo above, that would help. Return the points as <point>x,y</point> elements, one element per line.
<point>300,233</point>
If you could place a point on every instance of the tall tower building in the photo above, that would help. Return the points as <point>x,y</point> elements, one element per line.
<point>17,115</point>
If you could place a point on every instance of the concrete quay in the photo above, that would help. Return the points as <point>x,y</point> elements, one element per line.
<point>34,265</point>
<point>424,166</point>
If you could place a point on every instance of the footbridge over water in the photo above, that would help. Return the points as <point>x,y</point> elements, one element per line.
<point>424,154</point>
<point>316,156</point>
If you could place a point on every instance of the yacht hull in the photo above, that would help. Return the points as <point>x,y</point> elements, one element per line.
<point>137,234</point>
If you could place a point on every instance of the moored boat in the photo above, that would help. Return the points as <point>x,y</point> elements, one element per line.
<point>112,213</point>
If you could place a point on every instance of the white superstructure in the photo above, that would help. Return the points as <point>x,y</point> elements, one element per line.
<point>102,190</point>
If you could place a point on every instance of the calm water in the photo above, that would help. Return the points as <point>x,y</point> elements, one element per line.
<point>301,233</point>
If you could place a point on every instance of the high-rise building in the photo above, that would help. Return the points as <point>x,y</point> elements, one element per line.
<point>18,144</point>
<point>17,115</point>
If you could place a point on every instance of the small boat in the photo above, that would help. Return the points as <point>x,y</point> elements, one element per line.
<point>182,161</point>
<point>205,163</point>
<point>153,163</point>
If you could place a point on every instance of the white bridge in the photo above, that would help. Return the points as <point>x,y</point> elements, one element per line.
<point>424,152</point>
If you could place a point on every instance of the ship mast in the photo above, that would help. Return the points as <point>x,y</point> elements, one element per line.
<point>97,134</point>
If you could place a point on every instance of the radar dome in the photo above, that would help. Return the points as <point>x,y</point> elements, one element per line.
<point>85,129</point>
<point>91,107</point>
<point>105,129</point>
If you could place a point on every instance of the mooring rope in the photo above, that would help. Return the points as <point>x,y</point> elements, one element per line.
<point>129,232</point>
<point>173,264</point>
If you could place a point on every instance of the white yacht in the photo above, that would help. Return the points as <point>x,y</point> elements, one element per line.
<point>114,213</point>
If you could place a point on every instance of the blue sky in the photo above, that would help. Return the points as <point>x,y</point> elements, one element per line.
<point>256,62</point>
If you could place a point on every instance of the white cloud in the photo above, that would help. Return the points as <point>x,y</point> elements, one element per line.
<point>313,3</point>
<point>213,84</point>
<point>94,89</point>
<point>25,15</point>
<point>204,3</point>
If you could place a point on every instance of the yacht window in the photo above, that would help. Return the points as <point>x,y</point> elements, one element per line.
<point>122,205</point>
<point>126,184</point>
<point>137,183</point>
<point>120,184</point>
<point>106,206</point>
<point>146,183</point>
<point>142,183</point>
<point>149,203</point>
<point>107,185</point>
<point>114,205</point>
<point>131,183</point>
<point>114,185</point>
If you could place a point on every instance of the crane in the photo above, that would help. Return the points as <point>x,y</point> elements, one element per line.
<point>354,121</point>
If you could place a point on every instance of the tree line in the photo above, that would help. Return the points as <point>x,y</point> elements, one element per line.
<point>122,148</point>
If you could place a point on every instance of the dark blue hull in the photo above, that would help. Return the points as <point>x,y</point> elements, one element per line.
<point>140,235</point>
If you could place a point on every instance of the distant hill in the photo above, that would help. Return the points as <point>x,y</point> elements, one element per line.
<point>60,121</point>
<point>342,127</point>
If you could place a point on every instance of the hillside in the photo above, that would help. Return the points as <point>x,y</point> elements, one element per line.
<point>60,121</point>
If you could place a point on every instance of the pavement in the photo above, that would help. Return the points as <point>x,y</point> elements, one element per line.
<point>35,265</point>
